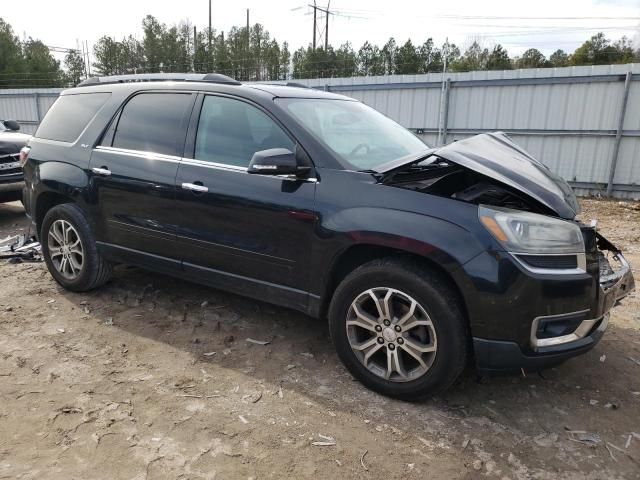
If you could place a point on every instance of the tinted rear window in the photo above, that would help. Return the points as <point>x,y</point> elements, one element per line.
<point>69,115</point>
<point>153,122</point>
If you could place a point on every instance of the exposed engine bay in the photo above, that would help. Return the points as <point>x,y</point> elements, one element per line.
<point>447,179</point>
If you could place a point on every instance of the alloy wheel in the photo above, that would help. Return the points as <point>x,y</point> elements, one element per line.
<point>65,249</point>
<point>391,334</point>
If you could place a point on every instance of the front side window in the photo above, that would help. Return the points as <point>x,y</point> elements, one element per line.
<point>230,131</point>
<point>153,122</point>
<point>359,135</point>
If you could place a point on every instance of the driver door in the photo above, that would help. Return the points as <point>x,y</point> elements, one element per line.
<point>243,232</point>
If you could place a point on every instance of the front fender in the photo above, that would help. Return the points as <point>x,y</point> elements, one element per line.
<point>443,242</point>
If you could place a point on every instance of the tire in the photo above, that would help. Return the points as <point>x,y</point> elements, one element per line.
<point>440,330</point>
<point>78,276</point>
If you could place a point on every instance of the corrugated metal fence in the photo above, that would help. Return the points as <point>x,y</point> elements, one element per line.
<point>582,122</point>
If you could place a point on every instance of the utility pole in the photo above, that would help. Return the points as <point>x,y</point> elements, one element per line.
<point>209,26</point>
<point>88,57</point>
<point>315,14</point>
<point>326,27</point>
<point>318,34</point>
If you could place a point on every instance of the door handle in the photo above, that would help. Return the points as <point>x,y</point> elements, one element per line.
<point>104,171</point>
<point>194,187</point>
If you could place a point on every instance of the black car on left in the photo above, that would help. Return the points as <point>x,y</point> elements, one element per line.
<point>11,178</point>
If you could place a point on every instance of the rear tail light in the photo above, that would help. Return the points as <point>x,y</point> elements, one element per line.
<point>24,155</point>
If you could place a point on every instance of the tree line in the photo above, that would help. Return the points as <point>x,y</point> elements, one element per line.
<point>251,54</point>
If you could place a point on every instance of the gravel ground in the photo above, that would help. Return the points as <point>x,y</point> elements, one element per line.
<point>153,378</point>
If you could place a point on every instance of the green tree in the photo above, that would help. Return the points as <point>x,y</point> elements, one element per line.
<point>498,59</point>
<point>43,69</point>
<point>474,58</point>
<point>407,59</point>
<point>75,68</point>
<point>389,51</point>
<point>12,65</point>
<point>370,60</point>
<point>532,58</point>
<point>559,58</point>
<point>598,50</point>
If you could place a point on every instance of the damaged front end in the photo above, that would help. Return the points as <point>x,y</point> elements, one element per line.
<point>543,293</point>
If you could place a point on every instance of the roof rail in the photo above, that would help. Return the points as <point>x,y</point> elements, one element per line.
<point>296,84</point>
<point>160,77</point>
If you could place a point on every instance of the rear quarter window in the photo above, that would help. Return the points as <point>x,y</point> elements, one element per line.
<point>69,115</point>
<point>153,122</point>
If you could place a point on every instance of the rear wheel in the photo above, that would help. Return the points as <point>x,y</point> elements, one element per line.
<point>70,251</point>
<point>399,329</point>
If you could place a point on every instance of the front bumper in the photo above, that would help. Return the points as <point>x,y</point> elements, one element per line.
<point>10,187</point>
<point>499,356</point>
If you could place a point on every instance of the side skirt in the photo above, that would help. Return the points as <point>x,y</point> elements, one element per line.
<point>249,287</point>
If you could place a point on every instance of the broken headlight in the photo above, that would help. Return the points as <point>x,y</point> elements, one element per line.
<point>526,232</point>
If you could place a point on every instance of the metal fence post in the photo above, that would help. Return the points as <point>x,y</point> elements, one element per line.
<point>36,96</point>
<point>618,140</point>
<point>445,114</point>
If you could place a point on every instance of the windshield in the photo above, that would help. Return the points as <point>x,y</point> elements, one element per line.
<point>359,135</point>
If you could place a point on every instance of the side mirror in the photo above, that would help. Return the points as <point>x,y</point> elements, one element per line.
<point>12,125</point>
<point>276,161</point>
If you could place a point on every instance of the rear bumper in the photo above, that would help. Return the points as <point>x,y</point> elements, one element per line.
<point>499,356</point>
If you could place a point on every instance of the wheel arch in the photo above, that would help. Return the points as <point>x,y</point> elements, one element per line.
<point>356,255</point>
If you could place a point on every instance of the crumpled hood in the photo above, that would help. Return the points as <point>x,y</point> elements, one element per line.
<point>496,156</point>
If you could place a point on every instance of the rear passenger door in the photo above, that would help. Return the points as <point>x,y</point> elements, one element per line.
<point>243,232</point>
<point>133,176</point>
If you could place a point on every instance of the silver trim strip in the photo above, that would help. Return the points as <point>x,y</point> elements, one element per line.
<point>139,154</point>
<point>581,261</point>
<point>196,163</point>
<point>580,332</point>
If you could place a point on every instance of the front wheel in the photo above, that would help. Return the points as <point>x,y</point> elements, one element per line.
<point>70,251</point>
<point>399,329</point>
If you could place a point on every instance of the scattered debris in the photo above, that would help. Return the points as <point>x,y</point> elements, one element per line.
<point>362,460</point>
<point>546,439</point>
<point>243,420</point>
<point>582,436</point>
<point>465,443</point>
<point>61,330</point>
<point>323,444</point>
<point>307,354</point>
<point>209,354</point>
<point>603,358</point>
<point>291,366</point>
<point>593,402</point>
<point>109,321</point>
<point>611,406</point>
<point>637,362</point>
<point>606,445</point>
<point>628,444</point>
<point>204,304</point>
<point>258,342</point>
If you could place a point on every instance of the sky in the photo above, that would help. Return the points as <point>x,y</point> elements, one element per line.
<point>517,25</point>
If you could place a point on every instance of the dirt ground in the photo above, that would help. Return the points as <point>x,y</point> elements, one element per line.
<point>153,378</point>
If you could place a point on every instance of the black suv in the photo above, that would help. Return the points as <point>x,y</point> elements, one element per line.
<point>11,180</point>
<point>421,258</point>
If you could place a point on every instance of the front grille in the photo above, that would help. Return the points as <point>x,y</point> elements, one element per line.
<point>550,262</point>
<point>10,164</point>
